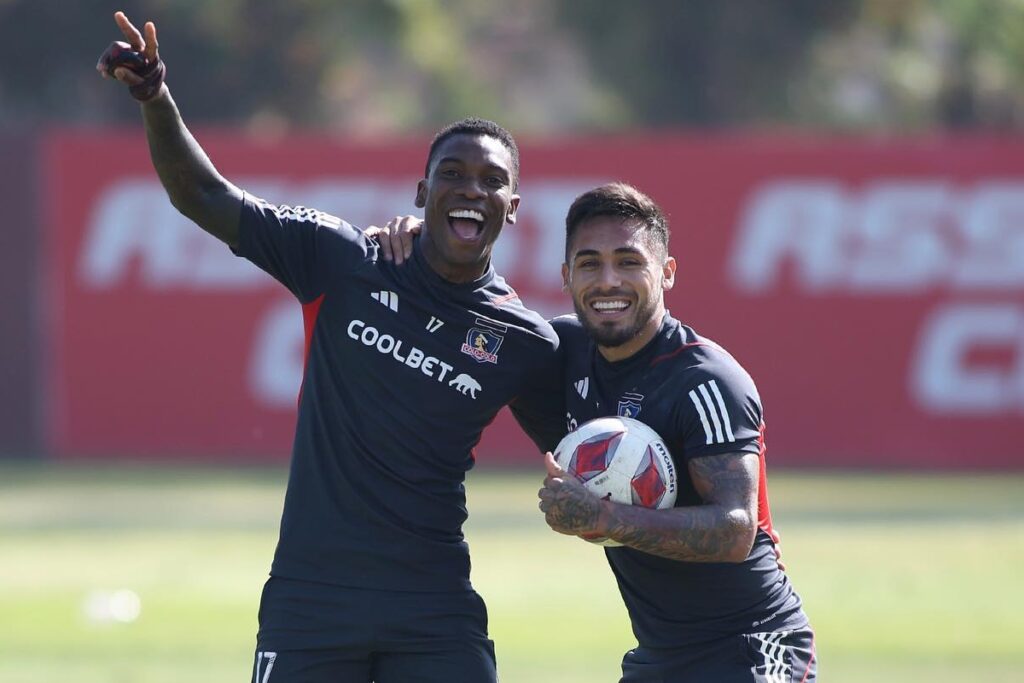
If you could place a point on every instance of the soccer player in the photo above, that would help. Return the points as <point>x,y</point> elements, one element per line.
<point>705,595</point>
<point>405,367</point>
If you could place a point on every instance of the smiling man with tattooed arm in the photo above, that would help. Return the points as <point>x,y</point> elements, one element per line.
<point>707,599</point>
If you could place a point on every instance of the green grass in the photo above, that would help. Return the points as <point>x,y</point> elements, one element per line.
<point>906,578</point>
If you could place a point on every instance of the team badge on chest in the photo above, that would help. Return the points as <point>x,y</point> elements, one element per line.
<point>629,405</point>
<point>482,343</point>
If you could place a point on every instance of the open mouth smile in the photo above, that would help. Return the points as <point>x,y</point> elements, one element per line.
<point>467,224</point>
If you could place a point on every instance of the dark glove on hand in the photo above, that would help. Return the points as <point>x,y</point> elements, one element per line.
<point>121,54</point>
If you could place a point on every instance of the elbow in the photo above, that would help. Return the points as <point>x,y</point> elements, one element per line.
<point>194,203</point>
<point>182,203</point>
<point>188,202</point>
<point>744,530</point>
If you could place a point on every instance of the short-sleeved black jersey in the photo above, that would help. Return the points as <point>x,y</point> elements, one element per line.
<point>701,402</point>
<point>403,372</point>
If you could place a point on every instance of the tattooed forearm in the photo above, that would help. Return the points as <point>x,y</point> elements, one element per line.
<point>722,530</point>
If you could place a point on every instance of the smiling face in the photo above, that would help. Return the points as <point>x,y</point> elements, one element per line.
<point>467,198</point>
<point>617,276</point>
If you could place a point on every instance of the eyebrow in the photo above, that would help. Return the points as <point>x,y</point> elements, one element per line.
<point>492,167</point>
<point>594,252</point>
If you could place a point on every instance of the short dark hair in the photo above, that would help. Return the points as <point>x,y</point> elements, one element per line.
<point>476,126</point>
<point>623,201</point>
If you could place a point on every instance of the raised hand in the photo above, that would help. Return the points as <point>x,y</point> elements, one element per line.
<point>137,62</point>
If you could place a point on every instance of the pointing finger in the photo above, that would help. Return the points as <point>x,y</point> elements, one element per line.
<point>151,44</point>
<point>131,34</point>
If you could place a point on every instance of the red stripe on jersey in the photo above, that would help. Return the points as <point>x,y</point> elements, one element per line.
<point>764,513</point>
<point>670,354</point>
<point>810,662</point>
<point>310,311</point>
<point>504,299</point>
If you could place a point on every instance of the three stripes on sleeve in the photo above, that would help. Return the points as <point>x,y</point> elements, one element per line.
<point>714,416</point>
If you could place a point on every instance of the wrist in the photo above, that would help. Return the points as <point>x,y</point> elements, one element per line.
<point>152,83</point>
<point>605,517</point>
<point>161,95</point>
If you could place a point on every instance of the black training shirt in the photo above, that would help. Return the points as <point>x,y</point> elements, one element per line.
<point>701,402</point>
<point>403,372</point>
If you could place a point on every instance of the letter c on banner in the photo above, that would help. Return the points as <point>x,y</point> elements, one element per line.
<point>941,379</point>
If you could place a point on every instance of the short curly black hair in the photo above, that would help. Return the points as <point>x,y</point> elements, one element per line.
<point>476,126</point>
<point>622,201</point>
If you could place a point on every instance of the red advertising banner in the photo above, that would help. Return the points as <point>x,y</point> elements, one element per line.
<point>19,242</point>
<point>874,290</point>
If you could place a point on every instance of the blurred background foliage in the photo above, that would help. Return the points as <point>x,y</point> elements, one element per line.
<point>366,67</point>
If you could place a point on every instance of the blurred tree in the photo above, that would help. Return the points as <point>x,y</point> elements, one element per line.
<point>702,62</point>
<point>386,66</point>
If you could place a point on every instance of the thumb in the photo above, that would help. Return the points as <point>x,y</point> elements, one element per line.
<point>554,469</point>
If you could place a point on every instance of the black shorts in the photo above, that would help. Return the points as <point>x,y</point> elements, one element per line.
<point>312,633</point>
<point>776,657</point>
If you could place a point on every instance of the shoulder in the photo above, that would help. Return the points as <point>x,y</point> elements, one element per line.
<point>509,310</point>
<point>572,338</point>
<point>692,360</point>
<point>706,367</point>
<point>568,327</point>
<point>284,213</point>
<point>257,212</point>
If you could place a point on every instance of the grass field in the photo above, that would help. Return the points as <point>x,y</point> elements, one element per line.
<point>907,579</point>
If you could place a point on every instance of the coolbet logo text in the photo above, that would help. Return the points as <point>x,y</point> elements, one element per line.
<point>389,346</point>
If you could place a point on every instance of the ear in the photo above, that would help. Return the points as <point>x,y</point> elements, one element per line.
<point>513,206</point>
<point>565,277</point>
<point>668,273</point>
<point>421,194</point>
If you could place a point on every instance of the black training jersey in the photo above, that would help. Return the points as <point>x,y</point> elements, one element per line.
<point>701,402</point>
<point>403,372</point>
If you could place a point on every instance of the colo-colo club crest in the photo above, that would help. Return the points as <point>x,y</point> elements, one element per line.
<point>483,341</point>
<point>629,404</point>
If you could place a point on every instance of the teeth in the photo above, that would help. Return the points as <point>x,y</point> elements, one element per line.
<point>467,213</point>
<point>610,305</point>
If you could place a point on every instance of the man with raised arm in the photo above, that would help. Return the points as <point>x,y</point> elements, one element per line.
<point>405,367</point>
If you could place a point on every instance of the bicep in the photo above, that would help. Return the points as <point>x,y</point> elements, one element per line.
<point>729,479</point>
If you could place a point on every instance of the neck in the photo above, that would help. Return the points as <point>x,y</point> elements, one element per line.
<point>457,273</point>
<point>630,348</point>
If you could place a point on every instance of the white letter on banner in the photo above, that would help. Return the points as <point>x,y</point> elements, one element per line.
<point>993,227</point>
<point>900,245</point>
<point>801,221</point>
<point>275,369</point>
<point>941,380</point>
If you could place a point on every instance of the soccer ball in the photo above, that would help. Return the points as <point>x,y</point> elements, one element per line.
<point>622,460</point>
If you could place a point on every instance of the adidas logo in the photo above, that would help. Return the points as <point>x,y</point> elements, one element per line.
<point>389,299</point>
<point>583,387</point>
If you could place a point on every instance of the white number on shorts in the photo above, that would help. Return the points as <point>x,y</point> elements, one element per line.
<point>261,657</point>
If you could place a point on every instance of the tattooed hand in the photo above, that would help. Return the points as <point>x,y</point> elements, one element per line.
<point>568,507</point>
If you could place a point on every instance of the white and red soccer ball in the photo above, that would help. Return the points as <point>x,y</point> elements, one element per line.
<point>622,460</point>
